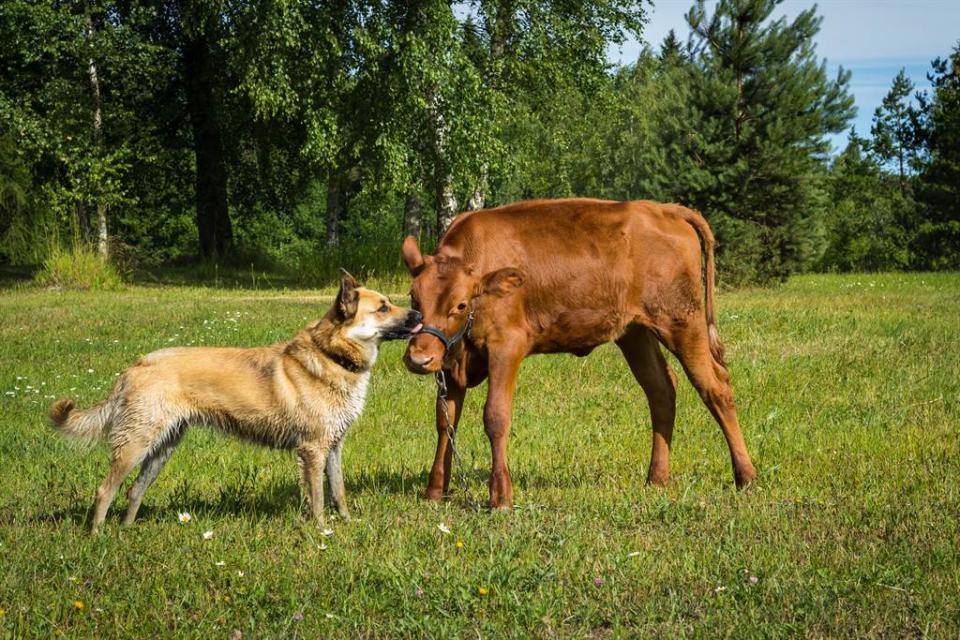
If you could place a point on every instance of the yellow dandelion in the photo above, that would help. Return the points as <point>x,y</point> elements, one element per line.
<point>78,605</point>
<point>3,612</point>
<point>459,544</point>
<point>483,591</point>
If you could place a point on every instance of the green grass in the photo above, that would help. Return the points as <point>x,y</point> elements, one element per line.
<point>848,393</point>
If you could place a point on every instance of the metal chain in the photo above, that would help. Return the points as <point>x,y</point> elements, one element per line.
<point>451,439</point>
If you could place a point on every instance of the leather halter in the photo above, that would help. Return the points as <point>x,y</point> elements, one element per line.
<point>449,341</point>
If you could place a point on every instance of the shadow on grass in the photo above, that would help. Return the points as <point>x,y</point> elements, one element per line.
<point>11,277</point>
<point>246,496</point>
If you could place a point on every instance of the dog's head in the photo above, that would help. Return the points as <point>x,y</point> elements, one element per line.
<point>369,317</point>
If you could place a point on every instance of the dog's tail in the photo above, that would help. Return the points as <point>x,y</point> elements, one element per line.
<point>83,424</point>
<point>699,223</point>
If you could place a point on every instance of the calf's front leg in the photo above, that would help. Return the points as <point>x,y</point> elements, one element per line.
<point>439,482</point>
<point>496,422</point>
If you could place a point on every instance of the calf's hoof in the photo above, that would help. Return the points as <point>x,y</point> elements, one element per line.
<point>658,478</point>
<point>744,477</point>
<point>433,495</point>
<point>501,505</point>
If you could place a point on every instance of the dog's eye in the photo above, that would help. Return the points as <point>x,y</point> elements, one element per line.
<point>383,308</point>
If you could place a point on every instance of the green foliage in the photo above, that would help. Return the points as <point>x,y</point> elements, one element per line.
<point>764,107</point>
<point>15,205</point>
<point>80,268</point>
<point>289,134</point>
<point>937,242</point>
<point>895,136</point>
<point>865,222</point>
<point>897,195</point>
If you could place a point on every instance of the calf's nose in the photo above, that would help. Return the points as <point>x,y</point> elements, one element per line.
<point>421,361</point>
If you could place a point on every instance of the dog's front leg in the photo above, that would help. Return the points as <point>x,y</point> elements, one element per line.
<point>313,458</point>
<point>335,476</point>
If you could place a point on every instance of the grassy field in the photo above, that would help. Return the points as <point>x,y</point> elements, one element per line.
<point>848,393</point>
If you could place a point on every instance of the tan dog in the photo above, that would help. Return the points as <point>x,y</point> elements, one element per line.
<point>303,394</point>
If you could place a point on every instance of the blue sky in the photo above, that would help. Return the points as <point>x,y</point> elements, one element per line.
<point>871,38</point>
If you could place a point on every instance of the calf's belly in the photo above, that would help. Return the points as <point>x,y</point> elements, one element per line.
<point>579,331</point>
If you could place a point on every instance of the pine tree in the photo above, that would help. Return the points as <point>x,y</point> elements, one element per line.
<point>865,230</point>
<point>765,107</point>
<point>894,136</point>
<point>938,238</point>
<point>671,48</point>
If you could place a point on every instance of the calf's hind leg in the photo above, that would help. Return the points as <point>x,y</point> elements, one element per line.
<point>642,353</point>
<point>712,382</point>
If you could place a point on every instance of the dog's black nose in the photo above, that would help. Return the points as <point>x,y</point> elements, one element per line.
<point>414,318</point>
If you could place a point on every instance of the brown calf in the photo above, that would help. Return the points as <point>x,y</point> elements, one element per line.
<point>551,276</point>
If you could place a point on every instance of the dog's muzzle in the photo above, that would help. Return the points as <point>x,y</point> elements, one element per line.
<point>409,326</point>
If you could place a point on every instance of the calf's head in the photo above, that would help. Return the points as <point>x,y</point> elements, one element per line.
<point>448,292</point>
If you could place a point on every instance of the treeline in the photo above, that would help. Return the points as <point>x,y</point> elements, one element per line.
<point>302,135</point>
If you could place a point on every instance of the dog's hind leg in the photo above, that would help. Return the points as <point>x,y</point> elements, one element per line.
<point>335,477</point>
<point>150,468</point>
<point>124,459</point>
<point>313,458</point>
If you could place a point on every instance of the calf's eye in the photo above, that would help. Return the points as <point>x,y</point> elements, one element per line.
<point>461,306</point>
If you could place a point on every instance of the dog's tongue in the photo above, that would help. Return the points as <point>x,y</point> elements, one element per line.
<point>417,328</point>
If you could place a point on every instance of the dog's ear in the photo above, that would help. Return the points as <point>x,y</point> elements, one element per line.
<point>410,251</point>
<point>348,297</point>
<point>500,282</point>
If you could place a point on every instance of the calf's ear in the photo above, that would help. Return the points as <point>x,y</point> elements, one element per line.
<point>410,251</point>
<point>348,297</point>
<point>501,282</point>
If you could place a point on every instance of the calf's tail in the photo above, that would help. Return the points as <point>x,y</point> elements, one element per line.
<point>699,223</point>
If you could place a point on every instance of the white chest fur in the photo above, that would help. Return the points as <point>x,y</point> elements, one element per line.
<point>352,399</point>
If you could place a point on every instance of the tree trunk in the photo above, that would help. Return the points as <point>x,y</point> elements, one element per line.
<point>903,185</point>
<point>340,188</point>
<point>446,204</point>
<point>443,180</point>
<point>334,209</point>
<point>412,214</point>
<point>500,27</point>
<point>213,219</point>
<point>97,125</point>
<point>479,195</point>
